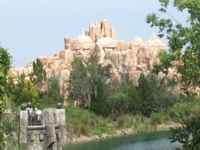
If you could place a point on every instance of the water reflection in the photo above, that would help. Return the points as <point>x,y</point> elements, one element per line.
<point>158,141</point>
<point>156,144</point>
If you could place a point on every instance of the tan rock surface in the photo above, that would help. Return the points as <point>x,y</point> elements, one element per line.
<point>133,57</point>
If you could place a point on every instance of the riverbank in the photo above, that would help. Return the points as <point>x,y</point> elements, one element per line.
<point>84,126</point>
<point>120,133</point>
<point>155,141</point>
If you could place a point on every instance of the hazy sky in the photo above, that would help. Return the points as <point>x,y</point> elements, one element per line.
<point>32,28</point>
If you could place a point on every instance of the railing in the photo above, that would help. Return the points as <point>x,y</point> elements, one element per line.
<point>34,119</point>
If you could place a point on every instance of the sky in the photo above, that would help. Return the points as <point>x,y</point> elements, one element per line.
<point>35,28</point>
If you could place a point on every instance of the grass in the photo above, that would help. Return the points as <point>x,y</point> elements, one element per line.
<point>83,122</point>
<point>177,112</point>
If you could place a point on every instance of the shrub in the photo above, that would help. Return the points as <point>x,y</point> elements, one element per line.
<point>185,107</point>
<point>188,134</point>
<point>8,128</point>
<point>118,104</point>
<point>24,91</point>
<point>159,118</point>
<point>52,96</point>
<point>83,122</point>
<point>154,95</point>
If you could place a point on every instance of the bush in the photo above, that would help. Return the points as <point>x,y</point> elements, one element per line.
<point>185,107</point>
<point>24,91</point>
<point>52,96</point>
<point>4,68</point>
<point>127,121</point>
<point>154,95</point>
<point>149,96</point>
<point>83,122</point>
<point>188,134</point>
<point>118,104</point>
<point>159,118</point>
<point>9,128</point>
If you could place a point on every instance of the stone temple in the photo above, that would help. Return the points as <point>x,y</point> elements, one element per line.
<point>45,131</point>
<point>133,57</point>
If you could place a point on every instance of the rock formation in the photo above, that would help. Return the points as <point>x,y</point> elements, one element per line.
<point>133,57</point>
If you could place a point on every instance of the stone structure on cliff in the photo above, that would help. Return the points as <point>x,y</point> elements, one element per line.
<point>132,57</point>
<point>44,130</point>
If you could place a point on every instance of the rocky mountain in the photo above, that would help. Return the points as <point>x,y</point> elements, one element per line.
<point>133,57</point>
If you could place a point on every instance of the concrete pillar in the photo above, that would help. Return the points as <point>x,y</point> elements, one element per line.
<point>23,127</point>
<point>60,121</point>
<point>49,120</point>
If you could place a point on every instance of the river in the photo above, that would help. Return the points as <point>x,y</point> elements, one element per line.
<point>157,141</point>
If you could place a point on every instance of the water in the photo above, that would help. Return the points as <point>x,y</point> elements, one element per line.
<point>158,141</point>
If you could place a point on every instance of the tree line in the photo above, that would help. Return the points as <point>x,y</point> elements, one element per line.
<point>92,87</point>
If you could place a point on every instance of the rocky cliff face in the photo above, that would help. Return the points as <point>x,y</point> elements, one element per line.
<point>133,57</point>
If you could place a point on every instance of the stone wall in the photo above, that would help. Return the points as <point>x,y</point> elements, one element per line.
<point>49,134</point>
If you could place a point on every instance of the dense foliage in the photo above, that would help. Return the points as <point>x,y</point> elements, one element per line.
<point>93,88</point>
<point>88,82</point>
<point>53,94</point>
<point>35,88</point>
<point>23,91</point>
<point>184,47</point>
<point>154,95</point>
<point>4,67</point>
<point>188,134</point>
<point>183,38</point>
<point>39,74</point>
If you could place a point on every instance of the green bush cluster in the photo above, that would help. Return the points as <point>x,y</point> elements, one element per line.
<point>185,107</point>
<point>22,90</point>
<point>52,96</point>
<point>188,134</point>
<point>9,126</point>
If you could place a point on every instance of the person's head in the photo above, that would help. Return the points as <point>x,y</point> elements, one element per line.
<point>59,105</point>
<point>23,106</point>
<point>29,104</point>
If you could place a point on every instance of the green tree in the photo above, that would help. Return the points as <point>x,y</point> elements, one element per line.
<point>153,95</point>
<point>99,79</point>
<point>23,91</point>
<point>4,67</point>
<point>88,82</point>
<point>189,132</point>
<point>39,75</point>
<point>54,90</point>
<point>122,96</point>
<point>79,84</point>
<point>184,46</point>
<point>183,37</point>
